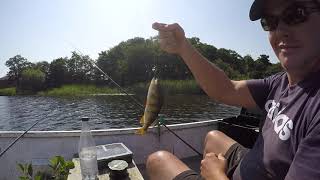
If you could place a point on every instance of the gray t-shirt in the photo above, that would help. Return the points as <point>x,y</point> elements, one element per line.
<point>289,145</point>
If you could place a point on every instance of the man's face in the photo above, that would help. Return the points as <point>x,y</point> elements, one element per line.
<point>296,46</point>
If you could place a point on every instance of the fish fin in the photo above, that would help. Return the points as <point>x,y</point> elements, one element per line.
<point>142,120</point>
<point>141,131</point>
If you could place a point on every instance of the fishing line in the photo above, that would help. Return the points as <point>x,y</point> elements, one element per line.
<point>106,75</point>
<point>136,101</point>
<point>121,89</point>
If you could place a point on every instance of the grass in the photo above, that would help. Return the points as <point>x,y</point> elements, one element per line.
<point>171,87</point>
<point>8,91</point>
<point>168,86</point>
<point>181,87</point>
<point>78,90</point>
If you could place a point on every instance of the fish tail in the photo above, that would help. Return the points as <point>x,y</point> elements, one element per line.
<point>141,131</point>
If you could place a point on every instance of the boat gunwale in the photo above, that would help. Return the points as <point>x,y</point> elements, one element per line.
<point>105,132</point>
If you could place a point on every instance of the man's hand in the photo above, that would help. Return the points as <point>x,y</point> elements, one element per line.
<point>171,37</point>
<point>213,167</point>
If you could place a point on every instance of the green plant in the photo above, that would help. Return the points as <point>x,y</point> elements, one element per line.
<point>60,170</point>
<point>8,91</point>
<point>32,80</point>
<point>78,90</point>
<point>27,172</point>
<point>60,167</point>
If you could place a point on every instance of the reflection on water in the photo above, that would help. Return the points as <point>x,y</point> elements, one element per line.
<point>18,113</point>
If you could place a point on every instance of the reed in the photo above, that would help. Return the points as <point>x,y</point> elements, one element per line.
<point>8,91</point>
<point>78,90</point>
<point>181,87</point>
<point>170,87</point>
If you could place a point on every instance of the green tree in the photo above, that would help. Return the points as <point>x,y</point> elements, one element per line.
<point>57,72</point>
<point>44,66</point>
<point>16,65</point>
<point>249,65</point>
<point>130,61</point>
<point>114,63</point>
<point>233,59</point>
<point>230,72</point>
<point>32,80</point>
<point>273,69</point>
<point>79,68</point>
<point>208,51</point>
<point>264,59</point>
<point>141,60</point>
<point>260,67</point>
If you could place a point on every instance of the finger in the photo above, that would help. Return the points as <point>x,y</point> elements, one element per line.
<point>211,154</point>
<point>202,161</point>
<point>170,42</point>
<point>173,27</point>
<point>159,26</point>
<point>167,45</point>
<point>163,44</point>
<point>166,27</point>
<point>165,34</point>
<point>221,157</point>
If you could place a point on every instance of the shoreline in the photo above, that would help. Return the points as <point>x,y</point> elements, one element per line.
<point>168,87</point>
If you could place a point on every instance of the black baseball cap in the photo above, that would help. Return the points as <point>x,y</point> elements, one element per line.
<point>256,10</point>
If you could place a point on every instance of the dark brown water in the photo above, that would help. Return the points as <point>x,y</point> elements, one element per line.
<point>18,113</point>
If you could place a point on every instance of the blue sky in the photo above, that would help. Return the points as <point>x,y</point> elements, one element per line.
<point>48,29</point>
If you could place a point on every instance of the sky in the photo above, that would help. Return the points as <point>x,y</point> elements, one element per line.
<point>43,30</point>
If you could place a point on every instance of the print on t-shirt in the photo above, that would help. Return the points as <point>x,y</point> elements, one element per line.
<point>282,123</point>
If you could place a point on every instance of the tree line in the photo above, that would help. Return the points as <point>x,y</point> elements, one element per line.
<point>130,62</point>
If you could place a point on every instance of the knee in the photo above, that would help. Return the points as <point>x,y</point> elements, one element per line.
<point>217,142</point>
<point>214,136</point>
<point>157,159</point>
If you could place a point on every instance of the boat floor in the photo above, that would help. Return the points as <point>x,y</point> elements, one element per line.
<point>191,162</point>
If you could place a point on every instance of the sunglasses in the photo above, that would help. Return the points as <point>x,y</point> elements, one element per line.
<point>294,14</point>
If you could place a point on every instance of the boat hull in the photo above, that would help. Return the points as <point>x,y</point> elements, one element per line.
<point>37,147</point>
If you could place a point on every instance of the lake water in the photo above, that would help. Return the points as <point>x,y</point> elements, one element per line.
<point>116,111</point>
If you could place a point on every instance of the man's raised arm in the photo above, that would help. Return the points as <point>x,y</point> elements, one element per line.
<point>211,79</point>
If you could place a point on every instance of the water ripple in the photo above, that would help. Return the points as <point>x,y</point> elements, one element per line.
<point>20,112</point>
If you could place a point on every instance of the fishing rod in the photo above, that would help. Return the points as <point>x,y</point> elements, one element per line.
<point>25,132</point>
<point>137,102</point>
<point>19,137</point>
<point>14,141</point>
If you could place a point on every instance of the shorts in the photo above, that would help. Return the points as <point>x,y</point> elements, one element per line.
<point>234,155</point>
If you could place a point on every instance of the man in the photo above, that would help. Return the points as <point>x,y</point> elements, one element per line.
<point>288,146</point>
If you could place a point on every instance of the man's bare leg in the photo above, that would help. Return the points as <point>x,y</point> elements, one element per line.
<point>217,142</point>
<point>163,165</point>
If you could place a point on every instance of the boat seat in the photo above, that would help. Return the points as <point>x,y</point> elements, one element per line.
<point>245,127</point>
